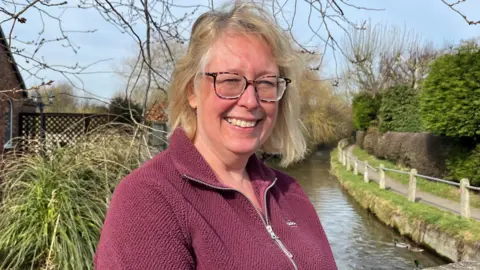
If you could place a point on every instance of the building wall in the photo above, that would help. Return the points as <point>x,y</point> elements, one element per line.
<point>8,80</point>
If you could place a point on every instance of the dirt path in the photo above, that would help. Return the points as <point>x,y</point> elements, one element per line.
<point>422,197</point>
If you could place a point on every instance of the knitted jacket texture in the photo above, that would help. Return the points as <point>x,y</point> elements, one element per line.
<point>173,213</point>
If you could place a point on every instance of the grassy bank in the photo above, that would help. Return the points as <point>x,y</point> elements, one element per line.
<point>435,188</point>
<point>394,209</point>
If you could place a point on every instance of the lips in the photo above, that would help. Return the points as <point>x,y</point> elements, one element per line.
<point>241,123</point>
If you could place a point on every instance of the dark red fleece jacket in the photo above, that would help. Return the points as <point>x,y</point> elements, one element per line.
<point>173,213</point>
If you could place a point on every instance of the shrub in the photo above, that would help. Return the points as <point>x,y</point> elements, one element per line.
<point>53,207</point>
<point>371,140</point>
<point>380,147</point>
<point>125,110</point>
<point>464,162</point>
<point>399,110</point>
<point>450,100</point>
<point>424,152</point>
<point>393,145</point>
<point>365,109</point>
<point>360,137</point>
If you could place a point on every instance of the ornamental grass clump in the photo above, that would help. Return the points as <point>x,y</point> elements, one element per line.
<point>53,207</point>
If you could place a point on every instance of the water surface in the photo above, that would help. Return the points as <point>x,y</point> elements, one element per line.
<point>358,239</point>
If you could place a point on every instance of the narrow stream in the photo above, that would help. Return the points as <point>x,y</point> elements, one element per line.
<point>358,239</point>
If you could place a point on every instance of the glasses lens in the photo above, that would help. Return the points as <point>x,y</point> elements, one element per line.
<point>270,88</point>
<point>229,85</point>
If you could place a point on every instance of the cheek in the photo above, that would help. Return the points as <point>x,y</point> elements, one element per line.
<point>271,111</point>
<point>215,107</point>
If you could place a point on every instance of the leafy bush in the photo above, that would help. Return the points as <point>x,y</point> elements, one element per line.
<point>464,162</point>
<point>399,110</point>
<point>125,110</point>
<point>365,109</point>
<point>450,100</point>
<point>53,207</point>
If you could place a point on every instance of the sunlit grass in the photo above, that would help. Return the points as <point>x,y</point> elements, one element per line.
<point>53,208</point>
<point>436,188</point>
<point>393,204</point>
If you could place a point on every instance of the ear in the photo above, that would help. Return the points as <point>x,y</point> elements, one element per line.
<point>192,96</point>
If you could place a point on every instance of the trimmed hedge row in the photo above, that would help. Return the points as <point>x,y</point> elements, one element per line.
<point>430,154</point>
<point>422,151</point>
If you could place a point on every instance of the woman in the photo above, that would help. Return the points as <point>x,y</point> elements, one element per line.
<point>207,202</point>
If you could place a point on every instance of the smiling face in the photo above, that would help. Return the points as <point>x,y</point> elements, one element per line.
<point>242,125</point>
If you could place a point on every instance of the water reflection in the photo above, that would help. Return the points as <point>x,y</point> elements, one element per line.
<point>358,239</point>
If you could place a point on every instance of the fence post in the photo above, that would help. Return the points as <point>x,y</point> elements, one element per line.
<point>382,177</point>
<point>355,166</point>
<point>365,173</point>
<point>344,158</point>
<point>349,163</point>
<point>412,185</point>
<point>339,154</point>
<point>465,198</point>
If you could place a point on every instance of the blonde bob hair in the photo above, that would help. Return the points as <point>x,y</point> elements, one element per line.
<point>286,138</point>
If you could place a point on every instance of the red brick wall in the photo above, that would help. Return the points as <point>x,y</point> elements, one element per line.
<point>8,80</point>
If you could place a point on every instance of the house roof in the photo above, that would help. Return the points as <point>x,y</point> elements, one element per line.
<point>158,113</point>
<point>16,71</point>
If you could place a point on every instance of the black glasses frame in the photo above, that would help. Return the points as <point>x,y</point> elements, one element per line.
<point>247,83</point>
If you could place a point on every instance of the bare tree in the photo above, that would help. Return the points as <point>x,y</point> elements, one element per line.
<point>64,98</point>
<point>157,26</point>
<point>455,6</point>
<point>163,64</point>
<point>381,56</point>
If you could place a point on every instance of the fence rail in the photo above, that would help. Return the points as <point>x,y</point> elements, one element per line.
<point>473,188</point>
<point>369,166</point>
<point>439,180</point>
<point>397,171</point>
<point>464,185</point>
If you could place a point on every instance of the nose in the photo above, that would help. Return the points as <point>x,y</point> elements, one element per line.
<point>249,99</point>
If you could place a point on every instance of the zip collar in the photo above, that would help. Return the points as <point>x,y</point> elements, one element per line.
<point>190,163</point>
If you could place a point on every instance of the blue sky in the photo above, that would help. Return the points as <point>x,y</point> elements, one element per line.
<point>430,18</point>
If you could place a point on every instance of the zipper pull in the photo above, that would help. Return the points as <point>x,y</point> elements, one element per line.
<point>270,231</point>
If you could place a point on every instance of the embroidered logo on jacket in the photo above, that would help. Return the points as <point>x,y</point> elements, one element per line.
<point>291,223</point>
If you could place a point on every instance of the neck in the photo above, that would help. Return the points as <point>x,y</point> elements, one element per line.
<point>229,167</point>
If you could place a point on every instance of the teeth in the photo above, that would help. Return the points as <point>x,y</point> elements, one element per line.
<point>241,123</point>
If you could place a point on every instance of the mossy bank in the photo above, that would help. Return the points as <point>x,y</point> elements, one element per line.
<point>448,235</point>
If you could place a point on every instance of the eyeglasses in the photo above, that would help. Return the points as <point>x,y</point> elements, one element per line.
<point>229,85</point>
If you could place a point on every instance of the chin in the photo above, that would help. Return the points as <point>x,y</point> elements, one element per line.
<point>244,147</point>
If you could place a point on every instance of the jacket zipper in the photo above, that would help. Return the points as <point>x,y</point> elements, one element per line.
<point>265,220</point>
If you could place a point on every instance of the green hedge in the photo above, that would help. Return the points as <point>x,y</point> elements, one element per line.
<point>464,162</point>
<point>365,109</point>
<point>450,100</point>
<point>399,110</point>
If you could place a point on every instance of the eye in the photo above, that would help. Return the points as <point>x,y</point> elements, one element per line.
<point>267,82</point>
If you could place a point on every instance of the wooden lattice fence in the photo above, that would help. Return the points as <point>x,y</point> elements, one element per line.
<point>59,128</point>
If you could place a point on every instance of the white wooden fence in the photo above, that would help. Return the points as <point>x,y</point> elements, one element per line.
<point>347,161</point>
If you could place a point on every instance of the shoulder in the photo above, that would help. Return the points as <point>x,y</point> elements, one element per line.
<point>155,180</point>
<point>289,185</point>
<point>144,211</point>
<point>145,220</point>
<point>147,194</point>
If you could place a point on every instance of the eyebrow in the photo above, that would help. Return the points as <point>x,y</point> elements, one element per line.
<point>258,75</point>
